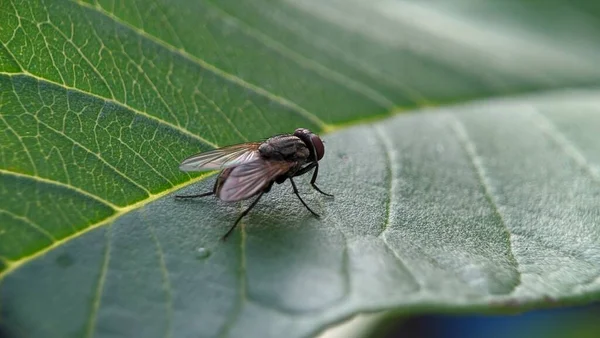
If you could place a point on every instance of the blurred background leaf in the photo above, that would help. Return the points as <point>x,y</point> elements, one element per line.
<point>472,206</point>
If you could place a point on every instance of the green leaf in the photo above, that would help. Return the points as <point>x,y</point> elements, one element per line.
<point>478,206</point>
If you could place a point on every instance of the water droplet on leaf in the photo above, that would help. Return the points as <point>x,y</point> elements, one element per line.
<point>343,156</point>
<point>202,253</point>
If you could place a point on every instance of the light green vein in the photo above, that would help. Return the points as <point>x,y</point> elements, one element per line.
<point>343,80</point>
<point>96,155</point>
<point>166,282</point>
<point>242,287</point>
<point>345,265</point>
<point>62,185</point>
<point>567,146</point>
<point>260,113</point>
<point>137,11</point>
<point>387,150</point>
<point>469,147</point>
<point>100,287</point>
<point>225,117</point>
<point>82,55</point>
<point>141,157</point>
<point>13,265</point>
<point>144,74</point>
<point>167,22</point>
<point>331,49</point>
<point>25,149</point>
<point>56,151</point>
<point>30,223</point>
<point>47,45</point>
<point>117,103</point>
<point>227,76</point>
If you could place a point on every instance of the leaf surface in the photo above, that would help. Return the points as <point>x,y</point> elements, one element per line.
<point>490,204</point>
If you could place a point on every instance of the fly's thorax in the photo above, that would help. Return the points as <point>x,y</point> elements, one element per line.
<point>284,148</point>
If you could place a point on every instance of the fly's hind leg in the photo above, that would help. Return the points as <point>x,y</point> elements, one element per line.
<point>244,213</point>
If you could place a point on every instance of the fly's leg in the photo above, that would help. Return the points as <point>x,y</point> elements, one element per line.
<point>300,198</point>
<point>195,196</point>
<point>199,195</point>
<point>314,177</point>
<point>305,169</point>
<point>244,213</point>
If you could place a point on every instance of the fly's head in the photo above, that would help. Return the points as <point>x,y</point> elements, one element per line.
<point>312,141</point>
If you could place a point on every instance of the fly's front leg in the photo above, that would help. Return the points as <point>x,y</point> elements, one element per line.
<point>301,200</point>
<point>305,169</point>
<point>314,177</point>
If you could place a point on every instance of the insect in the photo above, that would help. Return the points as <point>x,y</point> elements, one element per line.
<point>250,169</point>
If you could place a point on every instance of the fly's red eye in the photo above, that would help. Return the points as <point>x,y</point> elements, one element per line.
<point>319,147</point>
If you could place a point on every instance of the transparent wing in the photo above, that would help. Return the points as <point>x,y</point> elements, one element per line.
<point>221,158</point>
<point>249,179</point>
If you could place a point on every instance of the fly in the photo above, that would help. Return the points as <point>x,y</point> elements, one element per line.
<point>250,169</point>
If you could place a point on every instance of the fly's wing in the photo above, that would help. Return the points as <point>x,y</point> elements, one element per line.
<point>251,178</point>
<point>221,158</point>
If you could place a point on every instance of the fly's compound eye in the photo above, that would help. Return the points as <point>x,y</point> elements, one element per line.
<point>311,139</point>
<point>319,147</point>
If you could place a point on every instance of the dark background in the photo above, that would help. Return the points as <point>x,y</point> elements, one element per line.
<point>574,322</point>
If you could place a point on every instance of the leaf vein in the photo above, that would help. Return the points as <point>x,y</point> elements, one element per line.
<point>225,117</point>
<point>117,103</point>
<point>471,151</point>
<point>62,185</point>
<point>143,159</point>
<point>168,22</point>
<point>387,150</point>
<point>343,80</point>
<point>119,212</point>
<point>242,288</point>
<point>29,222</point>
<point>345,266</point>
<point>144,74</point>
<point>85,58</point>
<point>209,67</point>
<point>354,62</point>
<point>166,281</point>
<point>25,149</point>
<point>48,45</point>
<point>391,172</point>
<point>91,327</point>
<point>568,147</point>
<point>96,155</point>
